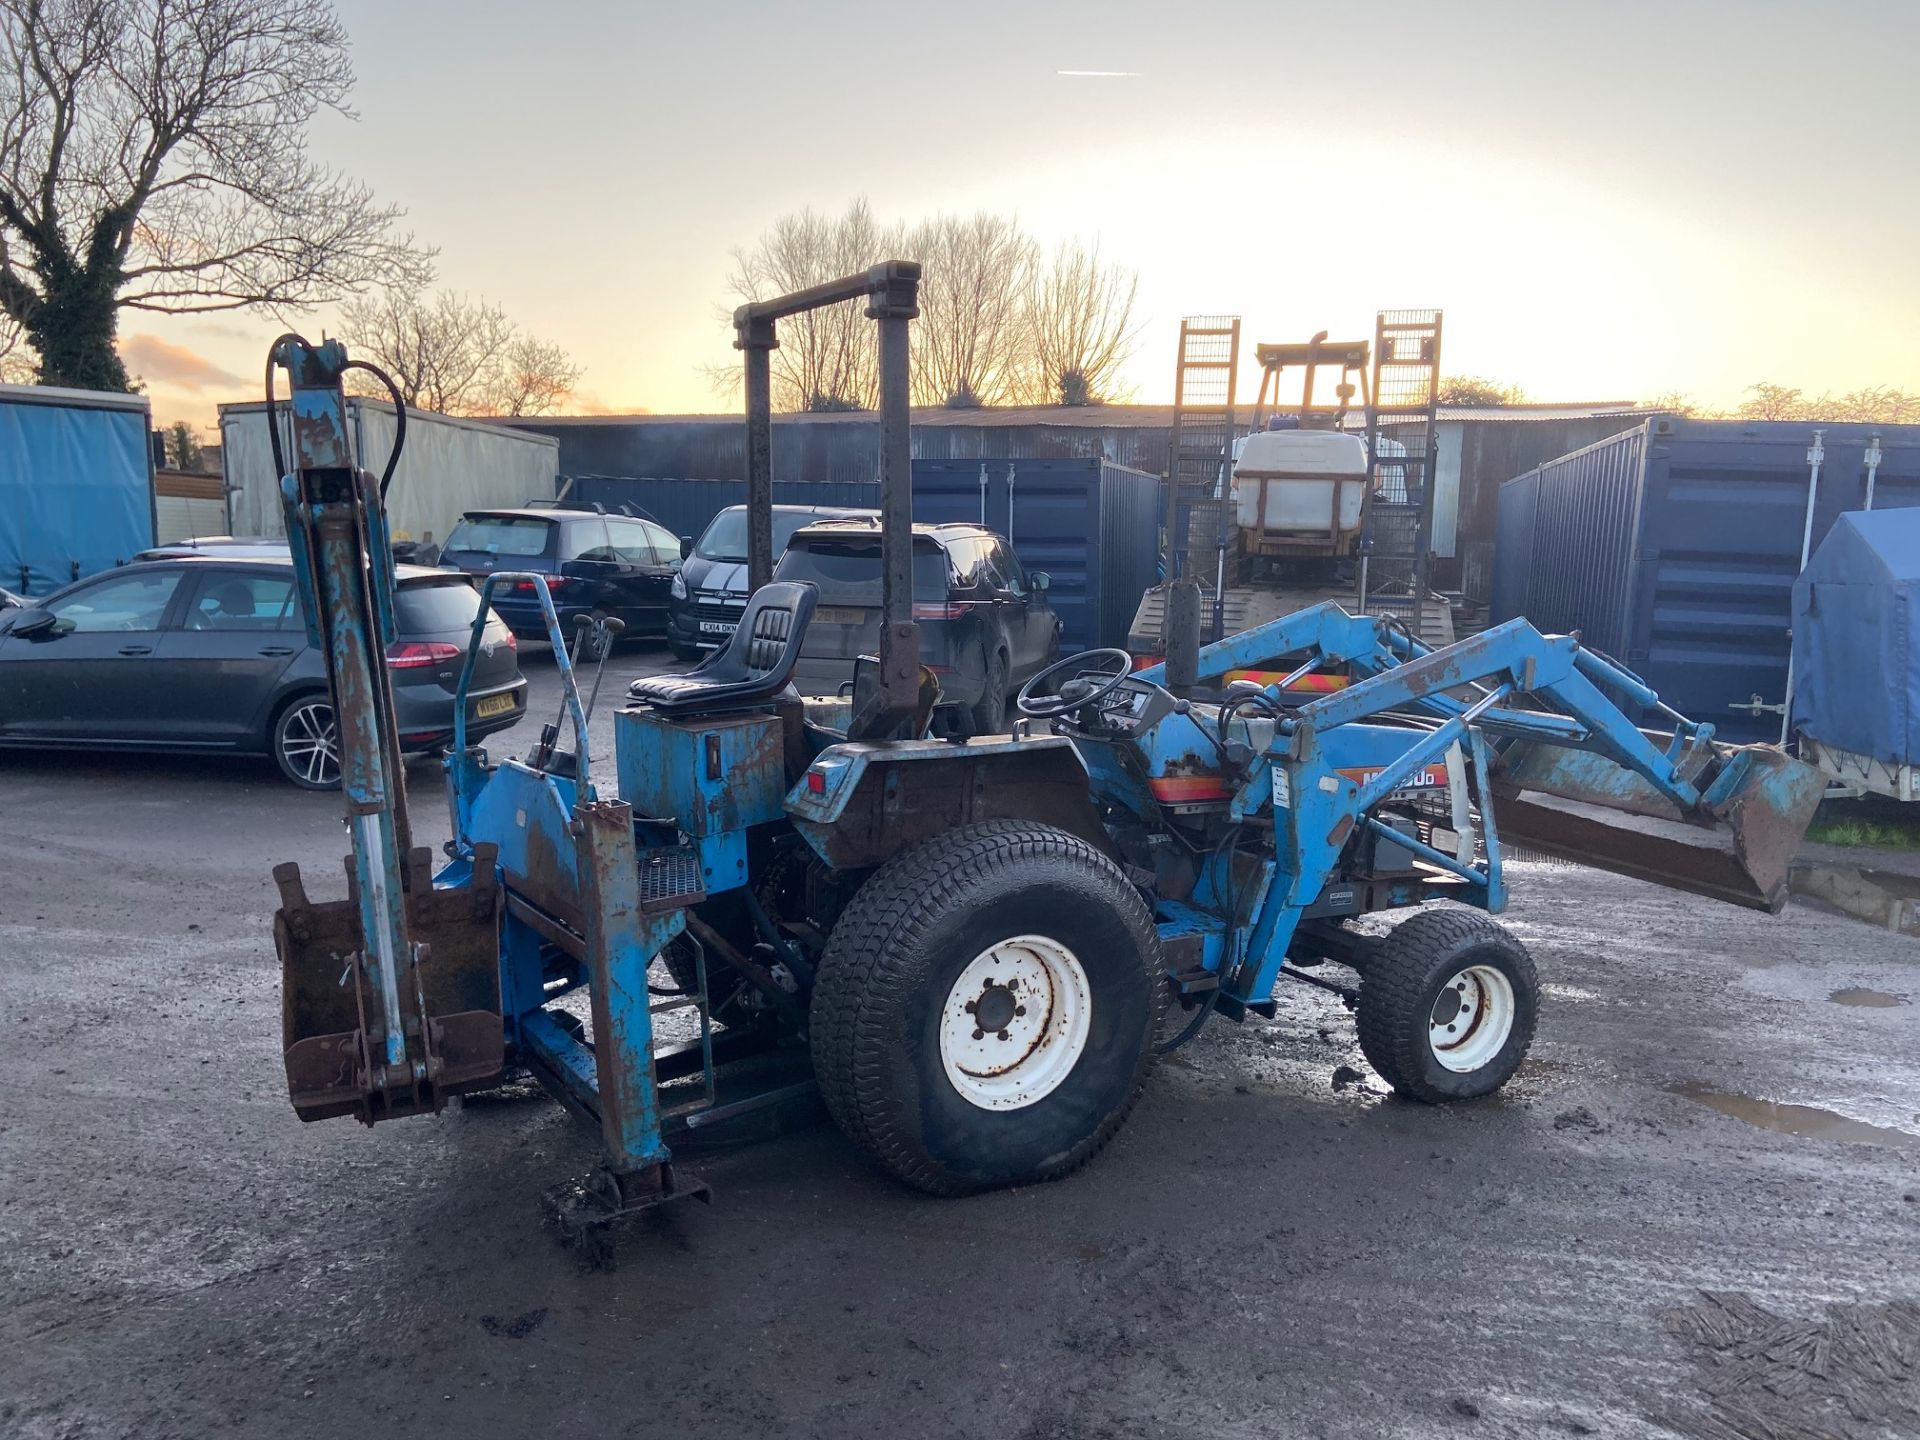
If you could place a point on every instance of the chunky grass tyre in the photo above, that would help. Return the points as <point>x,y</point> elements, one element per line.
<point>1404,1015</point>
<point>899,956</point>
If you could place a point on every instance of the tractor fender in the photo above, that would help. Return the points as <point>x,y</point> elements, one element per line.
<point>860,804</point>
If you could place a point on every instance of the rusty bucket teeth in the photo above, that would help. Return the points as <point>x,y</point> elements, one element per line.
<point>1737,845</point>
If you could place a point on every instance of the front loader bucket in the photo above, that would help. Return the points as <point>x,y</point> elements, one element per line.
<point>329,1021</point>
<point>1737,845</point>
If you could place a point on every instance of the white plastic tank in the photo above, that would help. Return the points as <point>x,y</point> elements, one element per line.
<point>1302,475</point>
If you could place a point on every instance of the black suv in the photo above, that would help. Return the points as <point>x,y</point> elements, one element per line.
<point>617,564</point>
<point>985,624</point>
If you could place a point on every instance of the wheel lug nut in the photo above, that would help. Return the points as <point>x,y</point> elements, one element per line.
<point>989,982</point>
<point>1019,1009</point>
<point>970,1006</point>
<point>1013,984</point>
<point>979,1034</point>
<point>1003,1034</point>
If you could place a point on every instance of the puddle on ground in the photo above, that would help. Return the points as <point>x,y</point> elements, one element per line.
<point>1879,897</point>
<point>1805,1122</point>
<point>1867,999</point>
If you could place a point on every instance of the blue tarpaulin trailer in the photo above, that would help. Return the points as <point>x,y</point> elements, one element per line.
<point>76,484</point>
<point>1856,652</point>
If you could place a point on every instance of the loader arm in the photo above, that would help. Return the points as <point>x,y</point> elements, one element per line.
<point>1554,763</point>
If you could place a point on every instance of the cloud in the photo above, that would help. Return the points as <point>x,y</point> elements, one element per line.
<point>160,362</point>
<point>586,402</point>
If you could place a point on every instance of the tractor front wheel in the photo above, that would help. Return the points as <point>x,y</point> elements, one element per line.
<point>985,1009</point>
<point>1447,1006</point>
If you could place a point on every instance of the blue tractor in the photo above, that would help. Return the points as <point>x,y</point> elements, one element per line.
<point>971,950</point>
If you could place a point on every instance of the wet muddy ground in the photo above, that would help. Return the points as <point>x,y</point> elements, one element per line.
<point>1696,1212</point>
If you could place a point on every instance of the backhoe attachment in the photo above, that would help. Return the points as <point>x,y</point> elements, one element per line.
<point>390,999</point>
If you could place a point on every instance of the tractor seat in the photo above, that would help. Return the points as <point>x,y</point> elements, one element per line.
<point>751,669</point>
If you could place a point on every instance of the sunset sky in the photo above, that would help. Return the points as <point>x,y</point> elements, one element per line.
<point>1610,201</point>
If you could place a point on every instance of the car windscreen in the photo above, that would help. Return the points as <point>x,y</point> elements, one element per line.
<point>522,535</point>
<point>847,572</point>
<point>725,537</point>
<point>434,606</point>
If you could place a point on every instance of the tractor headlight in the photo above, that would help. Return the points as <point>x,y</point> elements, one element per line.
<point>679,588</point>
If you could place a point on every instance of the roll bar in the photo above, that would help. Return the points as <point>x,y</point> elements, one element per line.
<point>892,292</point>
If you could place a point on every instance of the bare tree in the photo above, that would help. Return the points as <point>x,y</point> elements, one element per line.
<point>1476,390</point>
<point>153,156</point>
<point>1872,404</point>
<point>1676,402</point>
<point>456,355</point>
<point>976,271</point>
<point>825,360</point>
<point>1080,328</point>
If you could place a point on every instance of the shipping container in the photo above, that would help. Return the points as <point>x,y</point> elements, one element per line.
<point>685,506</point>
<point>1091,525</point>
<point>1674,547</point>
<point>76,484</point>
<point>449,466</point>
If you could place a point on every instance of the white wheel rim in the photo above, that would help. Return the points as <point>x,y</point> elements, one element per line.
<point>1467,1030</point>
<point>1033,988</point>
<point>311,745</point>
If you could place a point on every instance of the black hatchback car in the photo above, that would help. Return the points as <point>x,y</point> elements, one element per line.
<point>985,625</point>
<point>617,564</point>
<point>209,652</point>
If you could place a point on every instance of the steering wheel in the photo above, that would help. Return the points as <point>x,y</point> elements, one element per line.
<point>1041,702</point>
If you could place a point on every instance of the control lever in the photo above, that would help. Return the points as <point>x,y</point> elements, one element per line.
<point>542,756</point>
<point>610,628</point>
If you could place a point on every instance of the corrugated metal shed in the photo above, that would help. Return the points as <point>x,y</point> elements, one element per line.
<point>450,465</point>
<point>1675,545</point>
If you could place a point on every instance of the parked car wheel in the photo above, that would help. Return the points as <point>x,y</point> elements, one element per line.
<point>683,652</point>
<point>989,716</point>
<point>306,743</point>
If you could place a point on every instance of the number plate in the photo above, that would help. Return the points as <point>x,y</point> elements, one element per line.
<point>718,627</point>
<point>493,705</point>
<point>840,615</point>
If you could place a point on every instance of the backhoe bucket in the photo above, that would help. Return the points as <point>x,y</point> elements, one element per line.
<point>330,1023</point>
<point>1737,845</point>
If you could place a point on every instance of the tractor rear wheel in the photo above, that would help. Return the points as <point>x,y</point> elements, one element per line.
<point>985,1009</point>
<point>1447,1006</point>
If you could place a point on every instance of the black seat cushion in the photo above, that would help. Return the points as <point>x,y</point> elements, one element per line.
<point>751,669</point>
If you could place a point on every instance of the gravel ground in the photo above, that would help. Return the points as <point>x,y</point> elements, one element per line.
<point>1695,1212</point>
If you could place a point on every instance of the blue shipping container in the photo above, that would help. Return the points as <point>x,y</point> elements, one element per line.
<point>1674,547</point>
<point>1091,525</point>
<point>76,484</point>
